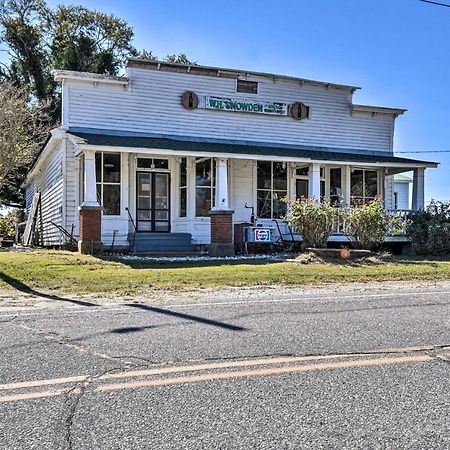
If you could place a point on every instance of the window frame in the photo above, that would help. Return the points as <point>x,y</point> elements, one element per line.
<point>182,187</point>
<point>271,190</point>
<point>247,83</point>
<point>103,183</point>
<point>354,200</point>
<point>211,187</point>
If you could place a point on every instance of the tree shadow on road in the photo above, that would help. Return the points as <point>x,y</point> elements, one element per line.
<point>198,319</point>
<point>22,287</point>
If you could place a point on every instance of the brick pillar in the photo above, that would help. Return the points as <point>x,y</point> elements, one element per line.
<point>90,230</point>
<point>221,233</point>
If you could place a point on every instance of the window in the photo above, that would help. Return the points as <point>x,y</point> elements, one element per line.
<point>152,163</point>
<point>204,186</point>
<point>395,200</point>
<point>183,187</point>
<point>271,189</point>
<point>247,87</point>
<point>107,170</point>
<point>335,186</point>
<point>364,186</point>
<point>302,182</point>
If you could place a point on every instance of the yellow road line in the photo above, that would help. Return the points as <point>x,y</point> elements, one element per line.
<point>262,372</point>
<point>34,395</point>
<point>176,369</point>
<point>225,375</point>
<point>207,366</point>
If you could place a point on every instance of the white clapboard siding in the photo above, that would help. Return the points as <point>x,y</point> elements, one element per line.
<point>403,197</point>
<point>72,189</point>
<point>151,104</point>
<point>49,182</point>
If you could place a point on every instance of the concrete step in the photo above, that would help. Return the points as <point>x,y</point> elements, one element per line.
<point>161,243</point>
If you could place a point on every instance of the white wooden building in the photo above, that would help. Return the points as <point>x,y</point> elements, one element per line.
<point>164,145</point>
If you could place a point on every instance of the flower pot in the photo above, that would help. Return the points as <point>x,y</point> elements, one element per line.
<point>345,253</point>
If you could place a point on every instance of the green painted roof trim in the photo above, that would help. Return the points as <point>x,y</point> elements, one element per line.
<point>113,140</point>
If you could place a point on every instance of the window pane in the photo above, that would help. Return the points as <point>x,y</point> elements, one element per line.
<point>302,188</point>
<point>357,187</point>
<point>202,202</point>
<point>247,87</point>
<point>99,193</point>
<point>371,184</point>
<point>144,163</point>
<point>263,208</point>
<point>302,171</point>
<point>144,202</point>
<point>183,172</point>
<point>279,176</point>
<point>203,173</point>
<point>264,173</point>
<point>335,182</point>
<point>183,202</point>
<point>322,189</point>
<point>279,204</point>
<point>161,226</point>
<point>161,163</point>
<point>111,199</point>
<point>98,167</point>
<point>111,167</point>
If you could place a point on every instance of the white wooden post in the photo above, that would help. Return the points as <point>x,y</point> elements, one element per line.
<point>314,181</point>
<point>90,183</point>
<point>418,196</point>
<point>346,184</point>
<point>222,202</point>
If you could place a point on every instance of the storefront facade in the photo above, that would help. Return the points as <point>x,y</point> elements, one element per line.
<point>172,156</point>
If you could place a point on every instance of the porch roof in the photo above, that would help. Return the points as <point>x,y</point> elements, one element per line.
<point>183,146</point>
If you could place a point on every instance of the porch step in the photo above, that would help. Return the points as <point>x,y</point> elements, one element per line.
<point>161,243</point>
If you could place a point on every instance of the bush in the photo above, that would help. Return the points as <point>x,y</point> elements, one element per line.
<point>429,229</point>
<point>7,226</point>
<point>368,223</point>
<point>313,220</point>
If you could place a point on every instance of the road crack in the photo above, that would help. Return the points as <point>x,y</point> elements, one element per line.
<point>73,398</point>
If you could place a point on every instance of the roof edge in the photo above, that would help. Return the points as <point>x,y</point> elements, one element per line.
<point>377,109</point>
<point>62,75</point>
<point>223,71</point>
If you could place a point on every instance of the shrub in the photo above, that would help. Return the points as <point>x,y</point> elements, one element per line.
<point>368,223</point>
<point>7,226</point>
<point>429,229</point>
<point>315,221</point>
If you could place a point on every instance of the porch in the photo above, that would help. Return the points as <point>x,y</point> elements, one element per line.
<point>195,192</point>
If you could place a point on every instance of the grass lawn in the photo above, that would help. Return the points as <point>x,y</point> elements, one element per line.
<point>61,272</point>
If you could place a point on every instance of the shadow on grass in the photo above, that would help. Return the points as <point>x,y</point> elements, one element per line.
<point>189,264</point>
<point>22,287</point>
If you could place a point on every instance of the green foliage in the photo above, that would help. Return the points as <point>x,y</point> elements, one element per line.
<point>429,229</point>
<point>314,220</point>
<point>8,225</point>
<point>38,39</point>
<point>368,223</point>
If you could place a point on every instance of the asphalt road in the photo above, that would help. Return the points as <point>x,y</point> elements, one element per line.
<point>327,368</point>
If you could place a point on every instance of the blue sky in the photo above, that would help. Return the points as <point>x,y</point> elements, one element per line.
<point>398,51</point>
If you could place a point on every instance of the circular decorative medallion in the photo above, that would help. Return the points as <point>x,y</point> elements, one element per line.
<point>299,111</point>
<point>189,100</point>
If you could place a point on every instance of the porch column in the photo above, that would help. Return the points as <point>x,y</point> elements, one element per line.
<point>90,211</point>
<point>418,193</point>
<point>221,216</point>
<point>346,177</point>
<point>221,198</point>
<point>314,181</point>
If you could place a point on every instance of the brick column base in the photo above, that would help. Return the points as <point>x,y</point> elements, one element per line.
<point>221,233</point>
<point>90,230</point>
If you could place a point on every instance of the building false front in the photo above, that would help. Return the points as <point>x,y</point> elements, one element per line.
<point>174,155</point>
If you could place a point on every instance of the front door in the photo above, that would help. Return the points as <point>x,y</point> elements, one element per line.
<point>153,213</point>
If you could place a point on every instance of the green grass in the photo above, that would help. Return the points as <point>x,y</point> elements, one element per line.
<point>61,272</point>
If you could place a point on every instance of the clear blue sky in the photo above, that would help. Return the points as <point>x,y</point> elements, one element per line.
<point>398,51</point>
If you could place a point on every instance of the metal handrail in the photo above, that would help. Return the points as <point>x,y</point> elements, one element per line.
<point>134,228</point>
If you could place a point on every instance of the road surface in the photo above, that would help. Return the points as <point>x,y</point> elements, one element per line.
<point>289,369</point>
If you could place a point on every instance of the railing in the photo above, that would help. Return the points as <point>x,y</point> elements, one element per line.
<point>134,228</point>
